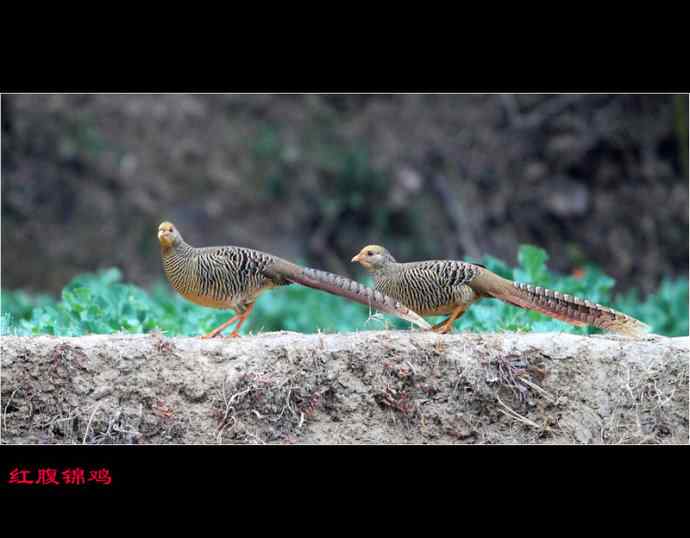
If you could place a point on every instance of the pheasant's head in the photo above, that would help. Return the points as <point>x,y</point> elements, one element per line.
<point>373,257</point>
<point>168,236</point>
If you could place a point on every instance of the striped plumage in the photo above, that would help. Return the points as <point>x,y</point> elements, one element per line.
<point>449,287</point>
<point>232,277</point>
<point>430,288</point>
<point>218,277</point>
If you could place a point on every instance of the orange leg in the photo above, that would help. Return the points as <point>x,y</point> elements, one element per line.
<point>215,331</point>
<point>241,317</point>
<point>445,326</point>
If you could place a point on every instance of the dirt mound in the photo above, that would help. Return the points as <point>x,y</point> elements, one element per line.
<point>369,387</point>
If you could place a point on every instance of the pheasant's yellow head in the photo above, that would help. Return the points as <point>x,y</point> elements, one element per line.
<point>168,236</point>
<point>373,257</point>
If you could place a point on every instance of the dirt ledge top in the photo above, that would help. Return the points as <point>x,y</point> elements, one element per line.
<point>365,387</point>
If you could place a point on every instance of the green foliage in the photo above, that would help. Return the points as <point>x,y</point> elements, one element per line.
<point>666,310</point>
<point>21,304</point>
<point>101,303</point>
<point>90,304</point>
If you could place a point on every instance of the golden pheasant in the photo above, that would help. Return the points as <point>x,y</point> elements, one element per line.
<point>232,277</point>
<point>448,287</point>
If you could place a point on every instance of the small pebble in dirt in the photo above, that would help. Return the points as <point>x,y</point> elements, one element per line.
<point>102,392</point>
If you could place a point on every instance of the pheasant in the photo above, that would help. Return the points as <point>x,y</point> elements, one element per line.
<point>233,277</point>
<point>448,287</point>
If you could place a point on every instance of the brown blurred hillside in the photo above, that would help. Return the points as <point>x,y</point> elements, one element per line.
<point>86,179</point>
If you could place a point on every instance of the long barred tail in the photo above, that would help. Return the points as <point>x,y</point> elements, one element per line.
<point>564,307</point>
<point>344,287</point>
<point>574,310</point>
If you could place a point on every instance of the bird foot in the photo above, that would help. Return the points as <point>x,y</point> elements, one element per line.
<point>443,329</point>
<point>233,334</point>
<point>212,334</point>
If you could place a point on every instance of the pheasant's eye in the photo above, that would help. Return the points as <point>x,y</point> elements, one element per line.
<point>370,253</point>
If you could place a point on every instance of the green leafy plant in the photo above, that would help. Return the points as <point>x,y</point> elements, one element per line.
<point>102,303</point>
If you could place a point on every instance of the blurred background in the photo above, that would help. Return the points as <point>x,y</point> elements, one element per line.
<point>591,179</point>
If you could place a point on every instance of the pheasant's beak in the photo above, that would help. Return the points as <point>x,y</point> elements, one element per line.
<point>356,258</point>
<point>165,237</point>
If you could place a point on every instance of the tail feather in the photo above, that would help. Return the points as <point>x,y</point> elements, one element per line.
<point>564,307</point>
<point>344,287</point>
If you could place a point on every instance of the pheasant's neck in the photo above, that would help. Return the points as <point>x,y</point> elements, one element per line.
<point>386,271</point>
<point>178,266</point>
<point>181,250</point>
